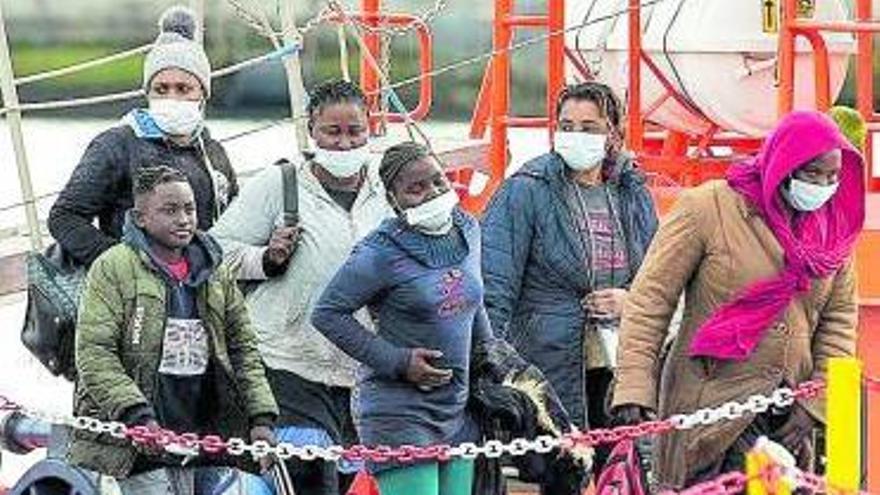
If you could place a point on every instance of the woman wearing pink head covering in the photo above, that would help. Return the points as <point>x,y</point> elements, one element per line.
<point>764,260</point>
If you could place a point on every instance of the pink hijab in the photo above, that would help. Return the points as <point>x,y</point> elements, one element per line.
<point>816,244</point>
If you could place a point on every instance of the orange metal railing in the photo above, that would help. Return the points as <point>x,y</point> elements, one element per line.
<point>864,28</point>
<point>370,80</point>
<point>492,110</point>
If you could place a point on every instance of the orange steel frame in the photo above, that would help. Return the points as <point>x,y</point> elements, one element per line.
<point>868,254</point>
<point>370,82</point>
<point>687,159</point>
<point>493,103</point>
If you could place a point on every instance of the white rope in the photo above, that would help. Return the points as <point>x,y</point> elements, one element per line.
<point>72,69</point>
<point>343,53</point>
<point>261,24</point>
<point>399,84</point>
<point>127,95</point>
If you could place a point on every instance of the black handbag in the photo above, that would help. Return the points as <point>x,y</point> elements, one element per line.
<point>54,287</point>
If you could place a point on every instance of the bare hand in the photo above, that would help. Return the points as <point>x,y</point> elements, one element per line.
<point>795,433</point>
<point>422,373</point>
<point>606,303</point>
<point>282,244</point>
<point>265,434</point>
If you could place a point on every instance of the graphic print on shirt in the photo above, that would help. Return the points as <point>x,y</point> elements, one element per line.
<point>454,299</point>
<point>609,254</point>
<point>184,348</point>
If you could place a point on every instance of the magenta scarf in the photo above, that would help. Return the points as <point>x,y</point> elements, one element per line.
<point>816,244</point>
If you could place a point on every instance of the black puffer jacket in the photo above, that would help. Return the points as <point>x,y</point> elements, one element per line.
<point>511,399</point>
<point>100,187</point>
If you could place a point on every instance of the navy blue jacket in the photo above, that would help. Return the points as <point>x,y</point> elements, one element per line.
<point>533,266</point>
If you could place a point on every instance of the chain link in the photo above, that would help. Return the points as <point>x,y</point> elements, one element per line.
<point>815,484</point>
<point>191,444</point>
<point>755,404</point>
<point>726,484</point>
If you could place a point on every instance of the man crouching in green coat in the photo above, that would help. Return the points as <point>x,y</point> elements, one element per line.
<point>164,340</point>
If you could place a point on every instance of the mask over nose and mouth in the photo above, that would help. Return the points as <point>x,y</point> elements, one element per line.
<point>806,196</point>
<point>434,216</point>
<point>580,150</point>
<point>342,163</point>
<point>177,117</point>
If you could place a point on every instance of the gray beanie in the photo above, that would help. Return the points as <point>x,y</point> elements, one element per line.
<point>175,47</point>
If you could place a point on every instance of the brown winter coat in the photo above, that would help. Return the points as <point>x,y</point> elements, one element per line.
<point>711,246</point>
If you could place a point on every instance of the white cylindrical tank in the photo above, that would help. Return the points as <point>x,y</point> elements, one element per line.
<point>715,53</point>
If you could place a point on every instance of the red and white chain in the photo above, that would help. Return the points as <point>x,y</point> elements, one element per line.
<point>727,484</point>
<point>193,444</point>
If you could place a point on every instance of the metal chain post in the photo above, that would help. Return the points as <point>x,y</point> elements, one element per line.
<point>13,118</point>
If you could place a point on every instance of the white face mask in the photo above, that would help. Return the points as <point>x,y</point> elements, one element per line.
<point>433,217</point>
<point>342,164</point>
<point>177,117</point>
<point>580,150</point>
<point>806,196</point>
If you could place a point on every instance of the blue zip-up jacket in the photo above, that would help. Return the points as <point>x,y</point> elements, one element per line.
<point>533,266</point>
<point>424,291</point>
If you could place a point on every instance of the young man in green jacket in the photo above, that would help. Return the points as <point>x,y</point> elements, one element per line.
<point>164,340</point>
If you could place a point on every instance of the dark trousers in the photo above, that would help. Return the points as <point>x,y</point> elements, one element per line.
<point>764,424</point>
<point>598,381</point>
<point>309,404</point>
<point>318,478</point>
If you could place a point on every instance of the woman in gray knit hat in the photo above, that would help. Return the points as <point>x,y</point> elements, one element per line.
<point>170,131</point>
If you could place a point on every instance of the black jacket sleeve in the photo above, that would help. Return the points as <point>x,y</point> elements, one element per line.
<point>89,192</point>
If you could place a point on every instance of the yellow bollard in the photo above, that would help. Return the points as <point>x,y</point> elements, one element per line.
<point>844,424</point>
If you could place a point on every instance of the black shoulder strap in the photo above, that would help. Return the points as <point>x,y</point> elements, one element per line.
<point>290,191</point>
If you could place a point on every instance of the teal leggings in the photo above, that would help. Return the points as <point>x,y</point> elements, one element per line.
<point>454,477</point>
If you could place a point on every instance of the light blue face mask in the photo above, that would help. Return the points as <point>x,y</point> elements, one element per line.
<point>806,196</point>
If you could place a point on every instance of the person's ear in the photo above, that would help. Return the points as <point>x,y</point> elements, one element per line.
<point>138,216</point>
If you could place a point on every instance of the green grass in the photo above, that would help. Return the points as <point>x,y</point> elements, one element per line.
<point>125,73</point>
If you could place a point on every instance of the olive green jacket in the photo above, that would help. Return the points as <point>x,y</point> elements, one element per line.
<point>119,338</point>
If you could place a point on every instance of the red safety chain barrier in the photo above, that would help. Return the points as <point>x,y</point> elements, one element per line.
<point>872,384</point>
<point>726,484</point>
<point>193,444</point>
<point>814,484</point>
<point>615,435</point>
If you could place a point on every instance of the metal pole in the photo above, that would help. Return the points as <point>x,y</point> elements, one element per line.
<point>635,129</point>
<point>294,74</point>
<point>13,119</point>
<point>369,77</point>
<point>555,59</point>
<point>198,7</point>
<point>786,56</point>
<point>500,105</point>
